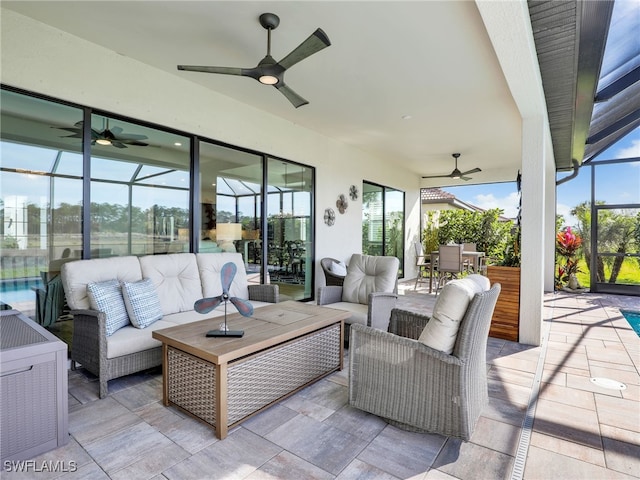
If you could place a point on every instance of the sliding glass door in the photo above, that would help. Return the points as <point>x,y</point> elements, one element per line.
<point>289,228</point>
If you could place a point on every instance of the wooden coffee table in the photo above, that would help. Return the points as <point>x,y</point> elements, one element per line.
<point>223,381</point>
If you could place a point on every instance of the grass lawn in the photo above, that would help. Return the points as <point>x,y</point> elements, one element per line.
<point>629,273</point>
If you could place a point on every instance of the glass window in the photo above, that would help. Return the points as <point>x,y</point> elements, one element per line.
<point>231,204</point>
<point>383,222</point>
<point>139,189</point>
<point>40,196</point>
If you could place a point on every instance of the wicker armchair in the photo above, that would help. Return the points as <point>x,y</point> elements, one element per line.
<point>330,277</point>
<point>416,387</point>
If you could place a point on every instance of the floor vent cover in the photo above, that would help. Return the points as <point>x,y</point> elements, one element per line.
<point>608,383</point>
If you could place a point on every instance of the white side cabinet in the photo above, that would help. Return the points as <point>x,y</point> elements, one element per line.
<point>34,408</point>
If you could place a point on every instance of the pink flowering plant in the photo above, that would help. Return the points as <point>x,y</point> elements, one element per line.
<point>567,246</point>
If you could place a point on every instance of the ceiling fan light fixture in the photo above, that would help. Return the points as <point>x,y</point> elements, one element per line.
<point>103,141</point>
<point>268,79</point>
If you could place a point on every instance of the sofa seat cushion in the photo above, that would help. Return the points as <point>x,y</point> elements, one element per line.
<point>78,274</point>
<point>451,305</point>
<point>130,340</point>
<point>210,265</point>
<point>359,312</point>
<point>182,318</point>
<point>176,279</point>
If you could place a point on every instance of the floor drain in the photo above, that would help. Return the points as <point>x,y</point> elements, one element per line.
<point>608,383</point>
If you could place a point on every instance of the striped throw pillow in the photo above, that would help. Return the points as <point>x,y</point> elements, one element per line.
<point>142,302</point>
<point>106,297</point>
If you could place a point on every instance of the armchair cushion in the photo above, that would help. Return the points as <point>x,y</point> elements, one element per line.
<point>442,329</point>
<point>367,274</point>
<point>338,268</point>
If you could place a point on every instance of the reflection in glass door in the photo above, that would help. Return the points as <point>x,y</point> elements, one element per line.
<point>289,228</point>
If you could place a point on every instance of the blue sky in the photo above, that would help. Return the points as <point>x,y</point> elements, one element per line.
<point>617,184</point>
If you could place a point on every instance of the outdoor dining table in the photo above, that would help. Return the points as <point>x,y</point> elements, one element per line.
<point>468,254</point>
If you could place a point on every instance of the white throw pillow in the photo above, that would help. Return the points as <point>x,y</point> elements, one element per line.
<point>442,329</point>
<point>142,302</point>
<point>106,297</point>
<point>339,268</point>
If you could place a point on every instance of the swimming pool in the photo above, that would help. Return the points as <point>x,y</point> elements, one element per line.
<point>19,290</point>
<point>633,318</point>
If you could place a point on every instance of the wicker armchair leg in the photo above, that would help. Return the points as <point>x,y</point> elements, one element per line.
<point>104,388</point>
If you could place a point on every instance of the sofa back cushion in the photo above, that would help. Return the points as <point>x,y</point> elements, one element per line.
<point>210,264</point>
<point>176,279</point>
<point>367,274</point>
<point>78,274</point>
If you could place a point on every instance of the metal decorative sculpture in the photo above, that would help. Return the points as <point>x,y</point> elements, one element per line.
<point>342,203</point>
<point>329,216</point>
<point>205,305</point>
<point>353,192</point>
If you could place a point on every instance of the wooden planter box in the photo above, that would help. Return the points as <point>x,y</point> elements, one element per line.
<point>505,323</point>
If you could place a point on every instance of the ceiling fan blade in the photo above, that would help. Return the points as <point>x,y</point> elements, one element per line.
<point>292,96</point>
<point>438,176</point>
<point>314,43</point>
<point>469,172</point>
<point>204,69</point>
<point>466,179</point>
<point>137,143</point>
<point>118,144</point>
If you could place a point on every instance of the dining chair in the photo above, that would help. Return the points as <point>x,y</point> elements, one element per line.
<point>450,264</point>
<point>468,262</point>
<point>423,262</point>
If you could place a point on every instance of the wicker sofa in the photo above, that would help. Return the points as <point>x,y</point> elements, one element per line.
<point>179,279</point>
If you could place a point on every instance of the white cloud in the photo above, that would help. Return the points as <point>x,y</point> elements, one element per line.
<point>509,203</point>
<point>631,151</point>
<point>565,211</point>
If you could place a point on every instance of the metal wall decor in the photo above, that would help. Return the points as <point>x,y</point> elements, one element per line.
<point>353,192</point>
<point>329,216</point>
<point>342,203</point>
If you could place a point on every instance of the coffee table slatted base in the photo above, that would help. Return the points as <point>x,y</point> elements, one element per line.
<point>253,382</point>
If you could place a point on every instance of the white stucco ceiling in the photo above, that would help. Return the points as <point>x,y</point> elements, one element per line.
<point>430,60</point>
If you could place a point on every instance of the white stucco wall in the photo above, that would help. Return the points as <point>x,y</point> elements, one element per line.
<point>42,59</point>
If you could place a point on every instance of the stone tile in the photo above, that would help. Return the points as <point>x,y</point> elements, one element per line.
<point>618,412</point>
<point>615,433</point>
<point>317,443</point>
<point>434,474</point>
<point>622,456</point>
<point>152,463</point>
<point>505,411</point>
<point>516,363</point>
<point>510,392</point>
<point>569,449</point>
<point>133,443</point>
<point>191,434</point>
<point>567,422</point>
<point>543,464</point>
<point>608,355</point>
<point>554,376</point>
<point>632,392</point>
<point>468,461</point>
<point>235,457</point>
<point>498,436</point>
<point>612,366</point>
<point>515,377</point>
<point>356,422</point>
<point>159,416</point>
<point>324,393</point>
<point>269,419</point>
<point>140,394</point>
<point>358,470</point>
<point>568,396</point>
<point>97,419</point>
<point>286,465</point>
<point>308,407</point>
<point>401,453</point>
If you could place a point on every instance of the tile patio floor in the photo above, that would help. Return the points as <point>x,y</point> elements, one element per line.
<point>579,430</point>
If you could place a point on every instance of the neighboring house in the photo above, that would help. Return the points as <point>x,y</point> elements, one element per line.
<point>436,199</point>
